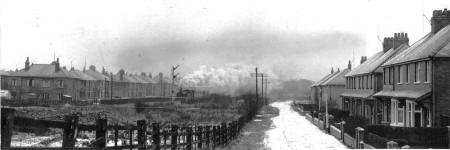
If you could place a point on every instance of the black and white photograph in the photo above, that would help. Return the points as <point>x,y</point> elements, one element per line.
<point>225,74</point>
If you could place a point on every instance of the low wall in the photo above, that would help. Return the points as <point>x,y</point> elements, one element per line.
<point>320,124</point>
<point>349,141</point>
<point>335,132</point>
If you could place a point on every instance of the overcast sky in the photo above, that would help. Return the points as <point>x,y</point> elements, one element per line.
<point>294,38</point>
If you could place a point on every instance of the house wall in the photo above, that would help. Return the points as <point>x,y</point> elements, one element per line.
<point>441,89</point>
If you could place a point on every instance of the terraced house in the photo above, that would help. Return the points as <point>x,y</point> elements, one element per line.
<point>43,81</point>
<point>416,89</point>
<point>53,82</point>
<point>316,89</point>
<point>326,91</point>
<point>332,88</point>
<point>365,79</point>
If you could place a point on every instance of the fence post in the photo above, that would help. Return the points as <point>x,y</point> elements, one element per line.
<point>230,131</point>
<point>142,134</point>
<point>189,138</point>
<point>200,136</point>
<point>341,126</point>
<point>174,132</point>
<point>130,136</point>
<point>214,136</point>
<point>8,115</point>
<point>359,136</point>
<point>392,145</point>
<point>100,133</point>
<point>224,133</point>
<point>207,135</point>
<point>70,131</point>
<point>156,136</point>
<point>448,134</point>
<point>116,134</point>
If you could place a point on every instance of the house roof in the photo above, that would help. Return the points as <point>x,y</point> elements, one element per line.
<point>374,62</point>
<point>81,75</point>
<point>145,79</point>
<point>96,75</point>
<point>431,45</point>
<point>44,70</point>
<point>337,79</point>
<point>4,72</point>
<point>411,94</point>
<point>324,79</point>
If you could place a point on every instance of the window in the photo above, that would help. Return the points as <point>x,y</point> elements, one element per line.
<point>60,83</point>
<point>60,96</point>
<point>363,80</point>
<point>30,82</point>
<point>427,71</point>
<point>14,82</point>
<point>407,74</point>
<point>391,73</point>
<point>416,72</point>
<point>45,83</point>
<point>44,96</point>
<point>384,75</point>
<point>399,79</point>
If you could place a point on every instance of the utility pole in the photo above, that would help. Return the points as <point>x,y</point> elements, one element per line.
<point>174,76</point>
<point>256,75</point>
<point>111,87</point>
<point>266,82</point>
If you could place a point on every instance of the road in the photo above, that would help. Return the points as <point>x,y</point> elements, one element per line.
<point>292,131</point>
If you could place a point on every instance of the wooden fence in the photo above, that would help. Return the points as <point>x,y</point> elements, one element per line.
<point>47,102</point>
<point>149,135</point>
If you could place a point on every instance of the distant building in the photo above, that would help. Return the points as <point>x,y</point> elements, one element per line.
<point>332,88</point>
<point>53,82</point>
<point>43,81</point>
<point>416,85</point>
<point>328,89</point>
<point>366,79</point>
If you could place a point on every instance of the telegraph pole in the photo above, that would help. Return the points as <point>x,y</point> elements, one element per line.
<point>266,82</point>
<point>174,76</point>
<point>256,77</point>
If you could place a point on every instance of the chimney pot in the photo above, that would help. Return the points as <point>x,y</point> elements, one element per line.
<point>27,63</point>
<point>439,20</point>
<point>349,65</point>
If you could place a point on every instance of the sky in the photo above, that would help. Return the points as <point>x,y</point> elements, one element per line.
<point>291,39</point>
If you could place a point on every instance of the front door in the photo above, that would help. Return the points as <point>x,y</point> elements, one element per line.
<point>417,119</point>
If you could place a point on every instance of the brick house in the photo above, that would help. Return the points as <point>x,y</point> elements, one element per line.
<point>416,89</point>
<point>43,81</point>
<point>317,90</point>
<point>366,79</point>
<point>332,88</point>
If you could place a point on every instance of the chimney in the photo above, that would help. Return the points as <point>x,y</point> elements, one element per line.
<point>92,67</point>
<point>440,19</point>
<point>338,70</point>
<point>27,64</point>
<point>150,75</point>
<point>396,41</point>
<point>349,65</point>
<point>332,71</point>
<point>57,67</point>
<point>363,59</point>
<point>121,74</point>
<point>72,69</point>
<point>104,71</point>
<point>161,76</point>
